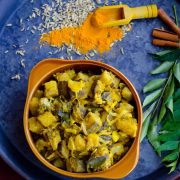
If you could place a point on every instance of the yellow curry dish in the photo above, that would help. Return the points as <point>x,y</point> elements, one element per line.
<point>83,122</point>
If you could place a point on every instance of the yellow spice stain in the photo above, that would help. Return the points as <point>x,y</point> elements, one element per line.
<point>85,38</point>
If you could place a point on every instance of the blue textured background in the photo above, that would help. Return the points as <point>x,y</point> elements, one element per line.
<point>135,64</point>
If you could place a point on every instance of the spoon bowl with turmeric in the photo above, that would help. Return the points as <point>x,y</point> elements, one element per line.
<point>118,15</point>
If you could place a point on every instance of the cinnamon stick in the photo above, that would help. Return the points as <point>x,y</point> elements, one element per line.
<point>159,42</point>
<point>162,14</point>
<point>163,34</point>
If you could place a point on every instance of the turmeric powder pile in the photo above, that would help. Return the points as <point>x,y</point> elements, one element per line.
<point>84,38</point>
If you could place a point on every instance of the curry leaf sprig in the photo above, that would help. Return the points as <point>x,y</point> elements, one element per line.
<point>160,92</point>
<point>161,120</point>
<point>164,111</point>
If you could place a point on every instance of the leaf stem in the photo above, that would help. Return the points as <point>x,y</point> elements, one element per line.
<point>163,91</point>
<point>171,71</point>
<point>175,15</point>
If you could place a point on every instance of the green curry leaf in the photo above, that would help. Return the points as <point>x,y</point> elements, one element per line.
<point>176,71</point>
<point>161,53</point>
<point>148,111</point>
<point>171,125</point>
<point>162,68</point>
<point>152,97</point>
<point>172,165</point>
<point>169,136</point>
<point>154,84</point>
<point>169,145</point>
<point>177,94</point>
<point>152,135</point>
<point>171,157</point>
<point>145,127</point>
<point>172,55</point>
<point>169,90</point>
<point>162,112</point>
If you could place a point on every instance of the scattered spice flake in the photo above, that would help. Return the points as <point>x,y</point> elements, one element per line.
<point>114,2</point>
<point>86,57</point>
<point>78,53</point>
<point>98,1</point>
<point>162,28</point>
<point>122,50</point>
<point>37,11</point>
<point>8,25</point>
<point>16,77</point>
<point>106,3</point>
<point>91,54</point>
<point>27,40</point>
<point>95,52</point>
<point>22,63</point>
<point>20,21</point>
<point>21,52</point>
<point>111,45</point>
<point>126,28</point>
<point>22,29</point>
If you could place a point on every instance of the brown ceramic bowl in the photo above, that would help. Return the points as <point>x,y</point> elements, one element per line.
<point>41,73</point>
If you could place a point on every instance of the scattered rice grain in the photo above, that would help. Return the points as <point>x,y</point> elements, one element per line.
<point>21,52</point>
<point>91,54</point>
<point>22,63</point>
<point>106,2</point>
<point>8,25</point>
<point>21,21</point>
<point>162,28</point>
<point>122,50</point>
<point>111,45</point>
<point>98,1</point>
<point>16,77</point>
<point>22,29</point>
